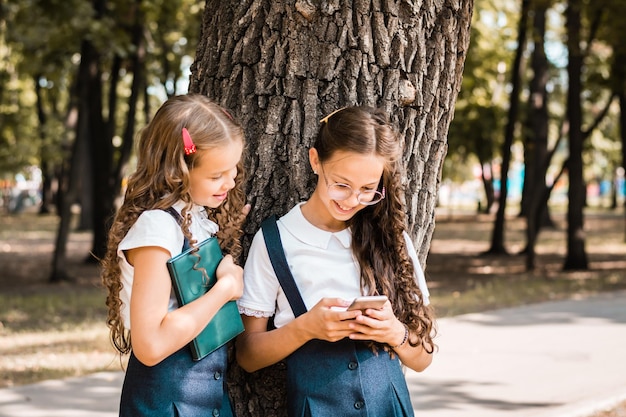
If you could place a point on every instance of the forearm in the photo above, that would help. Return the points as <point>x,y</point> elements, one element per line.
<point>152,344</point>
<point>258,348</point>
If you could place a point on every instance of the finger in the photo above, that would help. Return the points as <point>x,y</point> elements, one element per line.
<point>334,302</point>
<point>349,315</point>
<point>376,314</point>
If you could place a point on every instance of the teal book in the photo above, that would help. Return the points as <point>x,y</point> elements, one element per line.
<point>189,283</point>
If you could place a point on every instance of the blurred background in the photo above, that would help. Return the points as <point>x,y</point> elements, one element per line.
<point>541,112</point>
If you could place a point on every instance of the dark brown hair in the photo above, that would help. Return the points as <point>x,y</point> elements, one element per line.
<point>378,240</point>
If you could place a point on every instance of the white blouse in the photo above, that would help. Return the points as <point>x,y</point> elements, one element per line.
<point>158,228</point>
<point>321,263</point>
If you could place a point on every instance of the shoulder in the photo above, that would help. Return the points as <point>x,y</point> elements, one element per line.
<point>156,221</point>
<point>154,228</point>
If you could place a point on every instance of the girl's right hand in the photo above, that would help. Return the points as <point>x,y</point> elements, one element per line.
<point>230,275</point>
<point>327,322</point>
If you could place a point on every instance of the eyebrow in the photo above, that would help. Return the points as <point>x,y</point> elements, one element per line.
<point>372,184</point>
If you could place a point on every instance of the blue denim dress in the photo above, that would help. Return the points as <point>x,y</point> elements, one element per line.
<point>345,378</point>
<point>177,387</point>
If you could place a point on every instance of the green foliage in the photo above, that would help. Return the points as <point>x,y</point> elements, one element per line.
<point>480,114</point>
<point>40,45</point>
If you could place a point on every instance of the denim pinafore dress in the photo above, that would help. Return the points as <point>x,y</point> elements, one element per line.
<point>345,378</point>
<point>177,387</point>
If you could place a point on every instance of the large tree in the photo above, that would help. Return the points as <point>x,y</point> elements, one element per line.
<point>283,65</point>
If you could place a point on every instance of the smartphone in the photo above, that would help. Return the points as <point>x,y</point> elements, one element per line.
<point>368,301</point>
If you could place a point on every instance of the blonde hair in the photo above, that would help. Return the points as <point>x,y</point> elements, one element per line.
<point>378,242</point>
<point>162,178</point>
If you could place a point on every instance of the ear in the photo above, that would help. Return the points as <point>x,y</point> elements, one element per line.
<point>314,160</point>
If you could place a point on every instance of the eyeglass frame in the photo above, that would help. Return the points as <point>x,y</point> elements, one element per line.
<point>352,192</point>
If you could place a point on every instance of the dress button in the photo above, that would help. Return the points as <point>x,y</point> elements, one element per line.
<point>353,365</point>
<point>359,404</point>
<point>217,375</point>
<point>216,412</point>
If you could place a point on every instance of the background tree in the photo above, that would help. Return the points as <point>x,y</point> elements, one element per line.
<point>497,237</point>
<point>480,111</point>
<point>536,147</point>
<point>90,65</point>
<point>576,256</point>
<point>283,65</point>
<point>612,32</point>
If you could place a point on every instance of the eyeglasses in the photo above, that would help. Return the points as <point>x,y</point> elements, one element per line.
<point>340,191</point>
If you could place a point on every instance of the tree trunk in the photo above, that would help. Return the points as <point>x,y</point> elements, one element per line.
<point>622,125</point>
<point>576,257</point>
<point>486,170</point>
<point>46,166</point>
<point>283,65</point>
<point>69,194</point>
<point>497,238</point>
<point>108,170</point>
<point>537,143</point>
<point>619,74</point>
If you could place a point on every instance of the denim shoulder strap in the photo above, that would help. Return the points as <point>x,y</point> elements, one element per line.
<point>279,262</point>
<point>179,219</point>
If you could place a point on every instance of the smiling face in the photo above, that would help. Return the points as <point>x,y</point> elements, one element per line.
<point>213,174</point>
<point>361,172</point>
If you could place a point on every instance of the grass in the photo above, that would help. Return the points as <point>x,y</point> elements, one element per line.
<point>53,311</point>
<point>504,291</point>
<point>54,331</point>
<point>48,331</point>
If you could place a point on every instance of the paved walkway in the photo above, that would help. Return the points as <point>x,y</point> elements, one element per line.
<point>557,359</point>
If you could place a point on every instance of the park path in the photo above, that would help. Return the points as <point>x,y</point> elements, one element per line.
<point>554,359</point>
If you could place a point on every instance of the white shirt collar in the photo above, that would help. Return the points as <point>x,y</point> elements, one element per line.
<point>296,224</point>
<point>199,217</point>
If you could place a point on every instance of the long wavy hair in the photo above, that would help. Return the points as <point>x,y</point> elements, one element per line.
<point>162,178</point>
<point>378,242</point>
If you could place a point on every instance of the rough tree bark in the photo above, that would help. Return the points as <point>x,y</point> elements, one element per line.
<point>281,66</point>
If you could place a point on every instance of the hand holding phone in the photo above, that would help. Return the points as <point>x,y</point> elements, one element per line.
<point>368,301</point>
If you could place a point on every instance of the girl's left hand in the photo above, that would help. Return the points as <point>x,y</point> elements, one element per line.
<point>378,325</point>
<point>230,276</point>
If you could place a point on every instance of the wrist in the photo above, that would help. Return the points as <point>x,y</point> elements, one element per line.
<point>225,286</point>
<point>405,337</point>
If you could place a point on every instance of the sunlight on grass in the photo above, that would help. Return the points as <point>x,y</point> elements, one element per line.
<point>52,311</point>
<point>54,335</point>
<point>503,292</point>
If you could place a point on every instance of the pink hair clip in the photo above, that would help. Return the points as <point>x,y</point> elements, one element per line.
<point>189,146</point>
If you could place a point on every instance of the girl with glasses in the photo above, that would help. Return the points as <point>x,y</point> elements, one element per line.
<point>346,241</point>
